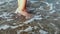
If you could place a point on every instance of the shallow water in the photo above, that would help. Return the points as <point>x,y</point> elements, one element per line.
<point>46,18</point>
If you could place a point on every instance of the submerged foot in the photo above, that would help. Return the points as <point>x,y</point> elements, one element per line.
<point>24,13</point>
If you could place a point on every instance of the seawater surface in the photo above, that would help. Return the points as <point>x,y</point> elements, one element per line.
<point>46,19</point>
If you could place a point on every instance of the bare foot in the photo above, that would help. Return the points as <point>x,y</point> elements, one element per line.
<point>25,14</point>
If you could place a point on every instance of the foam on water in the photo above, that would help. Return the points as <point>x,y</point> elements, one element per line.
<point>48,4</point>
<point>6,16</point>
<point>52,11</point>
<point>43,32</point>
<point>45,3</point>
<point>53,24</point>
<point>33,1</point>
<point>36,17</point>
<point>19,31</point>
<point>1,3</point>
<point>9,19</point>
<point>4,27</point>
<point>57,2</point>
<point>35,27</point>
<point>55,19</point>
<point>41,7</point>
<point>28,29</point>
<point>13,27</point>
<point>51,6</point>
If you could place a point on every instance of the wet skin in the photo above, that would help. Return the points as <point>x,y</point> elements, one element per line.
<point>22,8</point>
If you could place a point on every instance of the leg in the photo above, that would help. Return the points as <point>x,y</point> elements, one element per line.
<point>22,4</point>
<point>22,8</point>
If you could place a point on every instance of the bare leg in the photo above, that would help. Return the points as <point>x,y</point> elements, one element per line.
<point>22,8</point>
